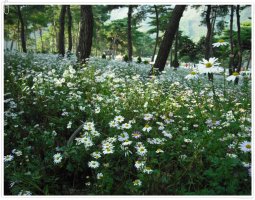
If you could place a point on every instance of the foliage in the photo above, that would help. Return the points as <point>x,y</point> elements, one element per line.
<point>193,147</point>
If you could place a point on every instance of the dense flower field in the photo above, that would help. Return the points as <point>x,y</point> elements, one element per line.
<point>109,128</point>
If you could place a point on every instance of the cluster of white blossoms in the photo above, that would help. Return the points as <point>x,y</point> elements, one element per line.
<point>140,149</point>
<point>107,145</point>
<point>88,135</point>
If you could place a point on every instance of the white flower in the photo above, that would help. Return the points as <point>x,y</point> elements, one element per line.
<point>119,119</point>
<point>233,76</point>
<point>97,110</point>
<point>209,66</point>
<point>141,150</point>
<point>139,164</point>
<point>147,170</point>
<point>166,134</point>
<point>69,125</point>
<point>93,164</point>
<point>57,158</point>
<point>192,75</point>
<point>25,193</point>
<point>159,151</point>
<point>126,126</point>
<point>8,158</point>
<point>147,128</point>
<point>96,155</point>
<point>220,43</point>
<point>113,124</point>
<point>123,136</point>
<point>187,140</point>
<point>99,175</point>
<point>245,146</point>
<point>148,116</point>
<point>137,182</point>
<point>16,152</point>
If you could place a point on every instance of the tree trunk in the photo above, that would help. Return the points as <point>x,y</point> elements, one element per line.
<point>231,56</point>
<point>130,48</point>
<point>239,39</point>
<point>208,38</point>
<point>22,32</point>
<point>69,15</point>
<point>167,41</point>
<point>86,33</point>
<point>35,41</point>
<point>61,36</point>
<point>209,32</point>
<point>42,46</point>
<point>176,62</point>
<point>157,33</point>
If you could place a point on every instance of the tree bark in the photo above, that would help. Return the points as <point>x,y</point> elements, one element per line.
<point>231,56</point>
<point>86,33</point>
<point>209,32</point>
<point>130,48</point>
<point>42,46</point>
<point>239,64</point>
<point>22,32</point>
<point>176,62</point>
<point>157,33</point>
<point>168,38</point>
<point>69,15</point>
<point>61,36</point>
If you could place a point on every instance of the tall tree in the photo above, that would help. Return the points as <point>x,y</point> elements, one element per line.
<point>167,41</point>
<point>209,32</point>
<point>239,38</point>
<point>157,32</point>
<point>22,31</point>
<point>176,62</point>
<point>61,37</point>
<point>86,33</point>
<point>130,47</point>
<point>231,56</point>
<point>69,16</point>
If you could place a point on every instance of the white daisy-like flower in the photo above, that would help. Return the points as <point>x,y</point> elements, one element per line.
<point>192,75</point>
<point>119,119</point>
<point>97,110</point>
<point>96,154</point>
<point>113,124</point>
<point>100,175</point>
<point>147,128</point>
<point>123,136</point>
<point>159,151</point>
<point>233,76</point>
<point>137,182</point>
<point>245,146</point>
<point>147,170</point>
<point>220,43</point>
<point>148,116</point>
<point>141,150</point>
<point>8,158</point>
<point>139,164</point>
<point>93,164</point>
<point>57,158</point>
<point>126,126</point>
<point>209,66</point>
<point>166,134</point>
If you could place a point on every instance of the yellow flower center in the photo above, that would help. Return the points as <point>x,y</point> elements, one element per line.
<point>193,73</point>
<point>208,65</point>
<point>221,41</point>
<point>235,74</point>
<point>248,146</point>
<point>147,126</point>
